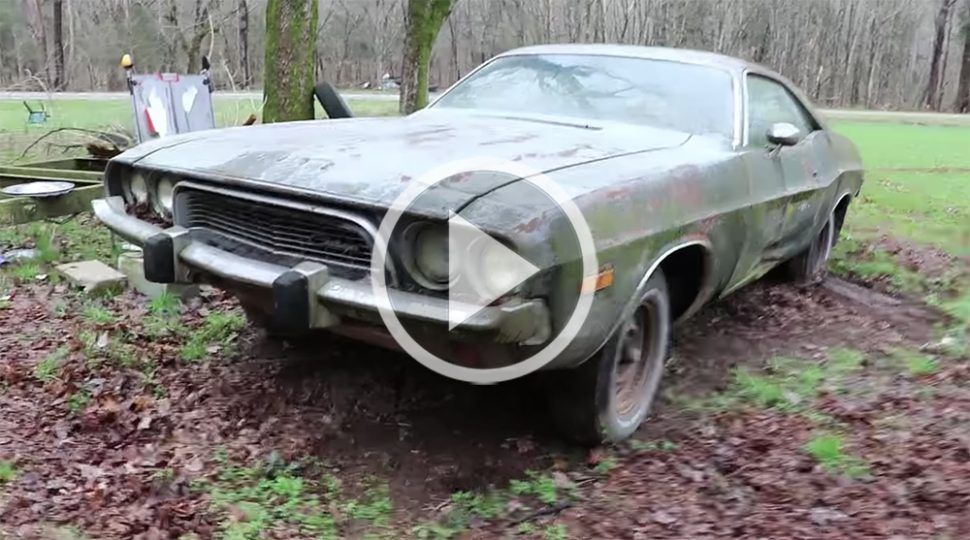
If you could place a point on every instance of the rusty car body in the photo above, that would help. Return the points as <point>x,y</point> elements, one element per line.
<point>697,173</point>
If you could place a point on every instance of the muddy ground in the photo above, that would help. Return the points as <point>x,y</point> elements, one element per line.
<point>126,460</point>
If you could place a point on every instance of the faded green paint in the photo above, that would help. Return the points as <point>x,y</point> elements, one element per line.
<point>291,31</point>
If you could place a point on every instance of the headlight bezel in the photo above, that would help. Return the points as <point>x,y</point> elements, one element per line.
<point>419,271</point>
<point>419,274</point>
<point>152,189</point>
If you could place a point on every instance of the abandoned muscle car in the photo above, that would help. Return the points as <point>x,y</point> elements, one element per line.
<point>696,173</point>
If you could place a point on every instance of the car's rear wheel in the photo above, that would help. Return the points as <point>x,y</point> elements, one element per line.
<point>810,266</point>
<point>607,398</point>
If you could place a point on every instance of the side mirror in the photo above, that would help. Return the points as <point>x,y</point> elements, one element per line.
<point>784,134</point>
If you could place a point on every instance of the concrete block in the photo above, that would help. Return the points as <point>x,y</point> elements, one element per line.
<point>92,276</point>
<point>132,265</point>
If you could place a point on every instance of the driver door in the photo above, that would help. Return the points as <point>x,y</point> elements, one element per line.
<point>792,170</point>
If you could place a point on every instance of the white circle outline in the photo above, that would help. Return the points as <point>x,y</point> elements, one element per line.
<point>382,297</point>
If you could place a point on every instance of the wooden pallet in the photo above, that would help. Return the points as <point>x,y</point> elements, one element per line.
<point>86,173</point>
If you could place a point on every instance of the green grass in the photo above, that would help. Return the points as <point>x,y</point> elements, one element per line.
<point>26,271</point>
<point>262,500</point>
<point>272,496</point>
<point>788,384</point>
<point>926,201</point>
<point>216,334</point>
<point>47,369</point>
<point>165,305</point>
<point>467,507</point>
<point>925,196</point>
<point>115,115</point>
<point>829,450</point>
<point>97,314</point>
<point>78,401</point>
<point>893,145</point>
<point>538,485</point>
<point>555,531</point>
<point>916,363</point>
<point>8,473</point>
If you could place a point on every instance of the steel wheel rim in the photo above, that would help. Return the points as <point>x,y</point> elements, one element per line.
<point>639,360</point>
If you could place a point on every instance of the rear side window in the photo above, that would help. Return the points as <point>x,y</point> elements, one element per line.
<point>771,103</point>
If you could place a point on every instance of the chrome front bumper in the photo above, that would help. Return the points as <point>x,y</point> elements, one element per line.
<point>306,296</point>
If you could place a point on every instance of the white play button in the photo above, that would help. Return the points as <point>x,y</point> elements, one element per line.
<point>482,270</point>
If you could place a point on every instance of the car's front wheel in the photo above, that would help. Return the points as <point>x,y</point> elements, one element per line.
<point>606,398</point>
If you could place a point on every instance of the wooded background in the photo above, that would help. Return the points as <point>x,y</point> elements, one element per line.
<point>894,54</point>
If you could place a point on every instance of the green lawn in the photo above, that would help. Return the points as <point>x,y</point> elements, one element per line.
<point>917,192</point>
<point>917,185</point>
<point>885,145</point>
<point>115,114</point>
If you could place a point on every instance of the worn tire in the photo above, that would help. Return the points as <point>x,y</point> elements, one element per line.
<point>810,266</point>
<point>586,403</point>
<point>330,100</point>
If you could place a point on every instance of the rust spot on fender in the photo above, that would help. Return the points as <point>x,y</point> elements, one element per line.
<point>529,226</point>
<point>619,192</point>
<point>511,140</point>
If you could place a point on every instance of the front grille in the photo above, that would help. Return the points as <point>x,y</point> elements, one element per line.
<point>275,231</point>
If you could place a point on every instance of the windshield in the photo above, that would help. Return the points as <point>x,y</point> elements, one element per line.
<point>686,97</point>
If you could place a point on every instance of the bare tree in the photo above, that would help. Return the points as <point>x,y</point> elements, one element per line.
<point>36,18</point>
<point>942,23</point>
<point>422,22</point>
<point>244,64</point>
<point>962,104</point>
<point>291,27</point>
<point>59,80</point>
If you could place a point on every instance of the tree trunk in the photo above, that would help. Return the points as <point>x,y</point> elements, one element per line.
<point>59,81</point>
<point>244,65</point>
<point>422,23</point>
<point>193,46</point>
<point>291,31</point>
<point>931,95</point>
<point>963,90</point>
<point>40,34</point>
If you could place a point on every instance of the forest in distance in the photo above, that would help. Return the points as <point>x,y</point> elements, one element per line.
<point>877,54</point>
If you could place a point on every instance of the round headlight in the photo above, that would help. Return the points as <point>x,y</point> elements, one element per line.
<point>137,188</point>
<point>165,195</point>
<point>498,275</point>
<point>431,255</point>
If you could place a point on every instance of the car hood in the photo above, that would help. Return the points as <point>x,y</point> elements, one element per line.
<point>373,160</point>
